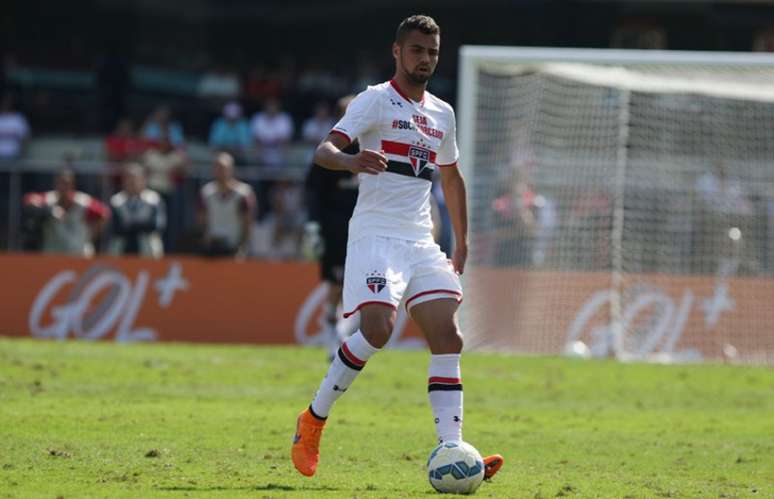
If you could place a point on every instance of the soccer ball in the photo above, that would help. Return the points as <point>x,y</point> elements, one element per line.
<point>455,467</point>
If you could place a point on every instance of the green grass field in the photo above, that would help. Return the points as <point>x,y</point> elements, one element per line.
<point>105,420</point>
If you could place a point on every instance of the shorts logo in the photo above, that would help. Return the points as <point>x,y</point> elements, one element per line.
<point>418,158</point>
<point>375,282</point>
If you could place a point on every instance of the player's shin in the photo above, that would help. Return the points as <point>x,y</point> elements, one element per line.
<point>445,391</point>
<point>346,365</point>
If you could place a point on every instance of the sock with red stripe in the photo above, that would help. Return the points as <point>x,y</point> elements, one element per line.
<point>444,386</point>
<point>346,365</point>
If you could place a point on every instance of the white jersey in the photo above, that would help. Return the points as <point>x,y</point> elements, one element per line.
<point>416,137</point>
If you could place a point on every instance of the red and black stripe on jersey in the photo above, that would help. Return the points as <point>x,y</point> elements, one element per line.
<point>349,359</point>
<point>438,383</point>
<point>419,160</point>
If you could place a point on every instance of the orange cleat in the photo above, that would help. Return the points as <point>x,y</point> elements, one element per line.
<point>492,465</point>
<point>306,442</point>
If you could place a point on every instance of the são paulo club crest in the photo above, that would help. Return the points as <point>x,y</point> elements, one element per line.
<point>375,281</point>
<point>418,157</point>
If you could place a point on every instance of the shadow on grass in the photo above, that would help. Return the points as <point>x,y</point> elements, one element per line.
<point>269,486</point>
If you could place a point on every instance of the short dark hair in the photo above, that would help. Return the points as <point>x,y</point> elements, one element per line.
<point>425,24</point>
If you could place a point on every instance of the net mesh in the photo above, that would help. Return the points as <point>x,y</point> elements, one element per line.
<point>623,212</point>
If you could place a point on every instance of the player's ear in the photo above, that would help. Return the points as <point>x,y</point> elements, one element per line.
<point>395,50</point>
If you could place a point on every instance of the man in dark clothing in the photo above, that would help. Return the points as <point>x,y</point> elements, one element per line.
<point>330,199</point>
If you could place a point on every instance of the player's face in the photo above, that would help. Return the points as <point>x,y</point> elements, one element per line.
<point>417,56</point>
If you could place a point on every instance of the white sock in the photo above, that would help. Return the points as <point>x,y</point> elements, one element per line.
<point>347,364</point>
<point>444,386</point>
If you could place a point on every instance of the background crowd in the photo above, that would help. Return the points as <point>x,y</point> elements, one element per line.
<point>128,140</point>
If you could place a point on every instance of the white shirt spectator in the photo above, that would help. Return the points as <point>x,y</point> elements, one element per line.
<point>14,130</point>
<point>224,210</point>
<point>271,132</point>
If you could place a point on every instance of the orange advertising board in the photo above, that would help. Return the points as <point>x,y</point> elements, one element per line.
<point>176,299</point>
<point>660,316</point>
<point>190,299</point>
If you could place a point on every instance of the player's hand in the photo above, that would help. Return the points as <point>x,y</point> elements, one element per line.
<point>459,257</point>
<point>368,161</point>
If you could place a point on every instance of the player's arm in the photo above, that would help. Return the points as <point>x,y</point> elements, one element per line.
<point>453,185</point>
<point>362,116</point>
<point>329,155</point>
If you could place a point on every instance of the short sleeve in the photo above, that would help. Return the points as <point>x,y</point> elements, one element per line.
<point>95,210</point>
<point>361,116</point>
<point>448,153</point>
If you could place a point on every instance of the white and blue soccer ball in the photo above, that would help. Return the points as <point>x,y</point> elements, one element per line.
<point>455,467</point>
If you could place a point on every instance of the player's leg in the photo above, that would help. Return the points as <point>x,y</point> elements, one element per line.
<point>433,296</point>
<point>349,360</point>
<point>436,320</point>
<point>376,322</point>
<point>373,288</point>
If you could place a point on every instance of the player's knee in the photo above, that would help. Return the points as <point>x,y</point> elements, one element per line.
<point>449,340</point>
<point>377,329</point>
<point>454,342</point>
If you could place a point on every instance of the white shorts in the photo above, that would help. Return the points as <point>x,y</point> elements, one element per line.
<point>386,270</point>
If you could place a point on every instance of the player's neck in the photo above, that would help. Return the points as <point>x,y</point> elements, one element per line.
<point>414,91</point>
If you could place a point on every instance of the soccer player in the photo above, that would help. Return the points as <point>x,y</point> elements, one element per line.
<point>330,199</point>
<point>404,134</point>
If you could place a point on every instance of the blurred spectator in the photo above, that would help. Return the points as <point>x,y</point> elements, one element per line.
<point>317,127</point>
<point>123,144</point>
<point>287,219</point>
<point>14,130</point>
<point>514,224</point>
<point>231,133</point>
<point>272,130</point>
<point>138,217</point>
<point>726,222</point>
<point>547,223</point>
<point>159,125</point>
<point>69,220</point>
<point>226,212</point>
<point>723,194</point>
<point>166,167</point>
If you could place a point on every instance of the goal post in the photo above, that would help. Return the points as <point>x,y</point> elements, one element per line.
<point>621,202</point>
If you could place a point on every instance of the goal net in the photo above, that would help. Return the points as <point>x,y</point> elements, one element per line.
<point>621,203</point>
